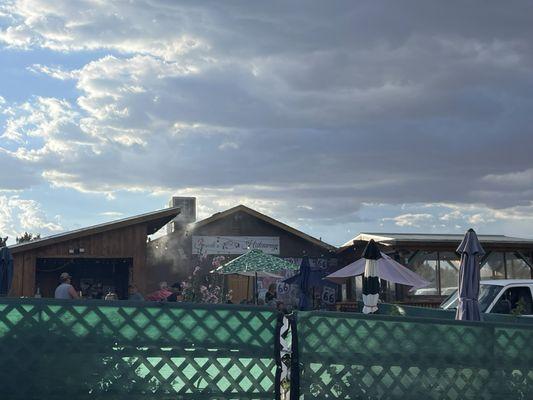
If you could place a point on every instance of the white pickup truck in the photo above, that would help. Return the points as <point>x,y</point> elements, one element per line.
<point>500,297</point>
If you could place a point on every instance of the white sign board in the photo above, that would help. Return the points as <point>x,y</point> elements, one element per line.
<point>329,295</point>
<point>234,244</point>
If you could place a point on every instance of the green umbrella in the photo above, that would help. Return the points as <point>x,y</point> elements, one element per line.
<point>255,263</point>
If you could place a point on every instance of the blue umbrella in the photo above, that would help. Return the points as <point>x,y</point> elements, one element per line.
<point>6,271</point>
<point>305,273</point>
<point>307,278</point>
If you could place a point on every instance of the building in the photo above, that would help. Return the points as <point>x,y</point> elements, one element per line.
<point>226,235</point>
<point>433,257</point>
<point>103,257</point>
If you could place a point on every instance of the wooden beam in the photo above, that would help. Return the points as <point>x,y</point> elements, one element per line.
<point>139,273</point>
<point>28,283</point>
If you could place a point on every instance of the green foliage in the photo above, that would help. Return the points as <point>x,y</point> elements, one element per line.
<point>520,308</point>
<point>28,237</point>
<point>396,311</point>
<point>65,365</point>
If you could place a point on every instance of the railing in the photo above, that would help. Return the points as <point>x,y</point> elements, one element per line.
<point>356,356</point>
<point>56,349</point>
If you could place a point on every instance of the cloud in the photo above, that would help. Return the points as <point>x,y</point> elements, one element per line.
<point>411,220</point>
<point>54,72</point>
<point>522,179</point>
<point>111,214</point>
<point>305,110</point>
<point>18,215</point>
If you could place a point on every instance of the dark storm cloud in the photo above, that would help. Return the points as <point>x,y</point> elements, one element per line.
<point>353,102</point>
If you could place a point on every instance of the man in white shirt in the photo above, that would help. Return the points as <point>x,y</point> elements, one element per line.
<point>65,290</point>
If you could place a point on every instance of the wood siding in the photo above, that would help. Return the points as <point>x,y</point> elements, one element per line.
<point>170,258</point>
<point>128,242</point>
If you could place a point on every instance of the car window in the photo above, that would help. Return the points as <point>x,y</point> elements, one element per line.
<point>515,300</point>
<point>487,293</point>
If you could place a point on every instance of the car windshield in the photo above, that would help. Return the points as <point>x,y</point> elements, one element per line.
<point>487,293</point>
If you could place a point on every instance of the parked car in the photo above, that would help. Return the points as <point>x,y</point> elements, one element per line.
<point>500,297</point>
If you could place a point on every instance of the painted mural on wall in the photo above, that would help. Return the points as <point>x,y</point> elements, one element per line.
<point>204,245</point>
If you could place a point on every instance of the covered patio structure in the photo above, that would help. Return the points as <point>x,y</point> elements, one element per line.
<point>433,257</point>
<point>112,254</point>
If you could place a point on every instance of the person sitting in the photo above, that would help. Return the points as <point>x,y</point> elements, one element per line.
<point>160,295</point>
<point>134,293</point>
<point>65,290</point>
<point>504,305</point>
<point>177,293</point>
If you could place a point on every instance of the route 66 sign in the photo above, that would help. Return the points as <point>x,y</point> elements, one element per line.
<point>283,288</point>
<point>329,295</point>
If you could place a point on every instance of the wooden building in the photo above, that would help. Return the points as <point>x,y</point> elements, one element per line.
<point>224,236</point>
<point>111,255</point>
<point>433,257</point>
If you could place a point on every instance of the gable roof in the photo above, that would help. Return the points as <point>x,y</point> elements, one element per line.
<point>265,218</point>
<point>154,221</point>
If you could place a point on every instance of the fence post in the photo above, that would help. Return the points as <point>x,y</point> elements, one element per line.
<point>295,359</point>
<point>277,351</point>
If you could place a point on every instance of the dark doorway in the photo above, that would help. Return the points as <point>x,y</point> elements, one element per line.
<point>95,277</point>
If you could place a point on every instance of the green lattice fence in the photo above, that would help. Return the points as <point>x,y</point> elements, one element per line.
<point>353,356</point>
<point>56,349</point>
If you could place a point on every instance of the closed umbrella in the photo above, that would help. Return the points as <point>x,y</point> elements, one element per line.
<point>6,271</point>
<point>370,278</point>
<point>305,273</point>
<point>469,276</point>
<point>307,278</point>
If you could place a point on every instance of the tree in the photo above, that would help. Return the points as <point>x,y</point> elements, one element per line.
<point>28,237</point>
<point>3,241</point>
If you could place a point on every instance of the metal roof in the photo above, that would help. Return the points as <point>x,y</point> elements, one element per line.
<point>392,238</point>
<point>154,221</point>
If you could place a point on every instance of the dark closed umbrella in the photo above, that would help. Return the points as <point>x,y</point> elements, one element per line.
<point>305,274</point>
<point>6,271</point>
<point>371,277</point>
<point>308,278</point>
<point>470,251</point>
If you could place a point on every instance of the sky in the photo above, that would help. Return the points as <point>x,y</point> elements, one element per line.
<point>333,117</point>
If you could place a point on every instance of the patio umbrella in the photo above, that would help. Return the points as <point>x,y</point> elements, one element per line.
<point>307,278</point>
<point>370,277</point>
<point>469,276</point>
<point>378,265</point>
<point>6,271</point>
<point>387,269</point>
<point>257,264</point>
<point>302,279</point>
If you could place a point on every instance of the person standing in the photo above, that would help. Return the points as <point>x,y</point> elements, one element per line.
<point>271,295</point>
<point>65,290</point>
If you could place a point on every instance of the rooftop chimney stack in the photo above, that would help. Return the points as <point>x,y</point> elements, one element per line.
<point>187,214</point>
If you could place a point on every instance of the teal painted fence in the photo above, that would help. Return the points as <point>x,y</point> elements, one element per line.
<point>56,350</point>
<point>356,356</point>
<point>95,349</point>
